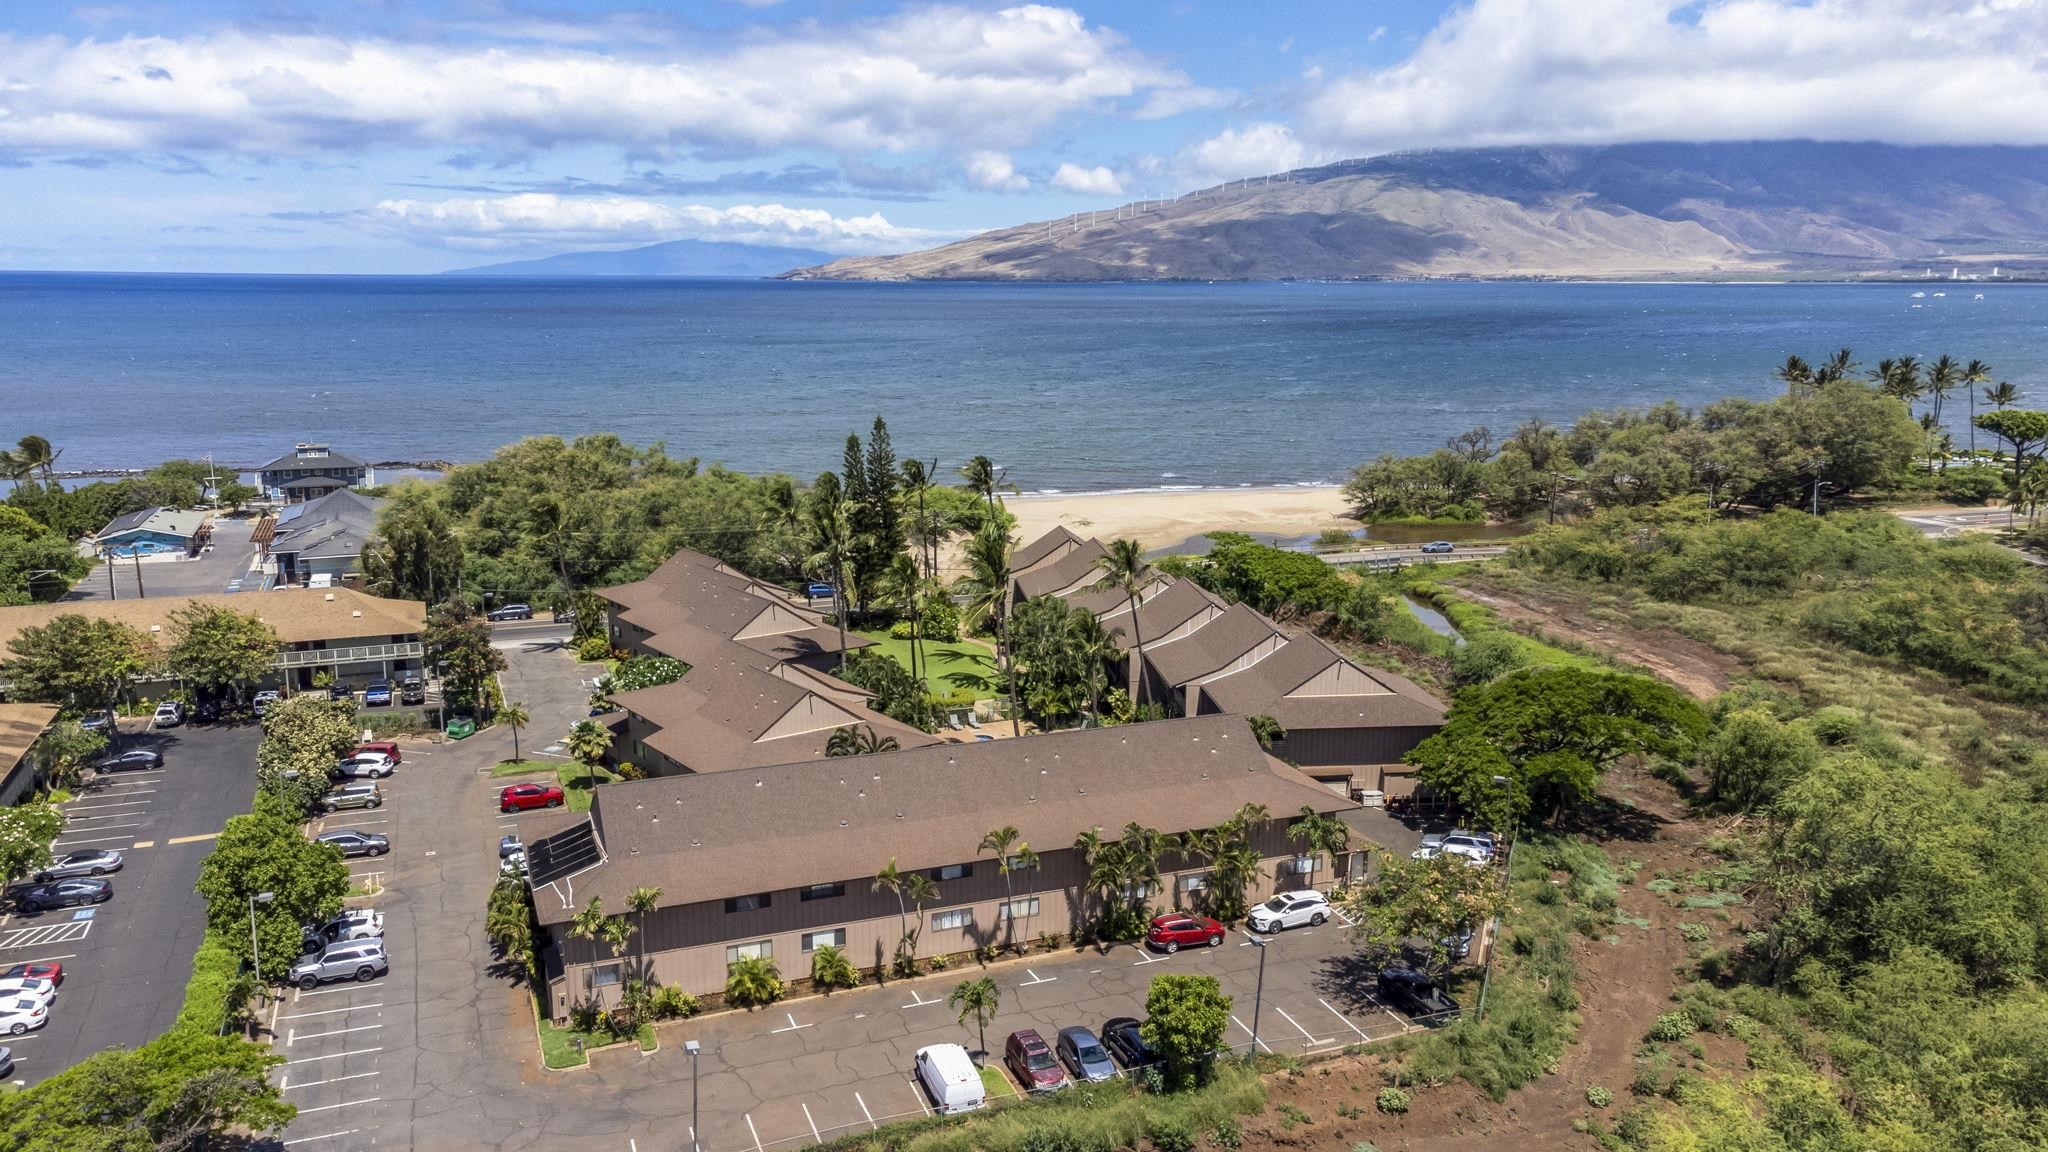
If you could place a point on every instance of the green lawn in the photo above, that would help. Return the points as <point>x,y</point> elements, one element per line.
<point>519,767</point>
<point>558,1045</point>
<point>578,780</point>
<point>958,656</point>
<point>995,1083</point>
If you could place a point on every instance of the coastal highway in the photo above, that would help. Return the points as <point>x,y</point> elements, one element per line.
<point>1395,555</point>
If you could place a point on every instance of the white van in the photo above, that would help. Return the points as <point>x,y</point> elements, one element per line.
<point>951,1078</point>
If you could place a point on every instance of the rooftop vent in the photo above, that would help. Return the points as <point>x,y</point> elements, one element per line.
<point>358,613</point>
<point>156,627</point>
<point>329,596</point>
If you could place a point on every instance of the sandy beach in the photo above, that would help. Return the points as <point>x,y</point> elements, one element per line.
<point>1156,519</point>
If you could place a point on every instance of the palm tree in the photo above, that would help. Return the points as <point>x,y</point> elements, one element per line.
<point>979,999</point>
<point>589,741</point>
<point>514,716</point>
<point>34,454</point>
<point>833,544</point>
<point>753,980</point>
<point>2002,395</point>
<point>1265,730</point>
<point>1123,568</point>
<point>984,480</point>
<point>830,968</point>
<point>858,740</point>
<point>1319,834</point>
<point>891,880</point>
<point>643,900</point>
<point>1838,367</point>
<point>921,890</point>
<point>904,582</point>
<point>918,478</point>
<point>1001,842</point>
<point>988,576</point>
<point>1899,379</point>
<point>1796,374</point>
<point>1942,379</point>
<point>1975,372</point>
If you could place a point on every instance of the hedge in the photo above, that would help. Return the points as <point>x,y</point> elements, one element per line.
<point>218,988</point>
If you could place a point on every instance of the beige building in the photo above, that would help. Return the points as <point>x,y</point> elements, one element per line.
<point>777,860</point>
<point>21,725</point>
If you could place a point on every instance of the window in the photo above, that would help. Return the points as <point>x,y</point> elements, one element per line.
<point>1015,863</point>
<point>752,903</point>
<point>836,937</point>
<point>954,919</point>
<point>953,872</point>
<point>1137,891</point>
<point>1021,909</point>
<point>1306,864</point>
<point>754,950</point>
<point>823,891</point>
<point>604,975</point>
<point>1196,882</point>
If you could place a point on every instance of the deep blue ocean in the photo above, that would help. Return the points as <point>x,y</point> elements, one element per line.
<point>1070,387</point>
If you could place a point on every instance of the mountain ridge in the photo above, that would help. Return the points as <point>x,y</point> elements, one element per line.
<point>670,258</point>
<point>1636,211</point>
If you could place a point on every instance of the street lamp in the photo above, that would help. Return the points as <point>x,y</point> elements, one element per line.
<point>255,954</point>
<point>692,1047</point>
<point>1258,991</point>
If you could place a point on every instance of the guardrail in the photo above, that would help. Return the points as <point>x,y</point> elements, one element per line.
<point>304,657</point>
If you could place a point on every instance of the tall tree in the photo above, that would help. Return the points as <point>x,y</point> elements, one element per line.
<point>25,834</point>
<point>925,529</point>
<point>79,661</point>
<point>833,544</point>
<point>882,487</point>
<point>1428,900</point>
<point>265,851</point>
<point>1185,1019</point>
<point>1002,844</point>
<point>218,648</point>
<point>414,553</point>
<point>1976,372</point>
<point>458,642</point>
<point>860,512</point>
<point>642,901</point>
<point>34,454</point>
<point>988,580</point>
<point>979,999</point>
<point>1124,569</point>
<point>1319,835</point>
<point>589,741</point>
<point>984,479</point>
<point>515,717</point>
<point>2000,395</point>
<point>1943,377</point>
<point>303,738</point>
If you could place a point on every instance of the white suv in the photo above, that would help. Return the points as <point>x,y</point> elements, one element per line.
<point>1290,910</point>
<point>1475,847</point>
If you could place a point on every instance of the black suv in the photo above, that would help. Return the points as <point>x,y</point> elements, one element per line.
<point>412,690</point>
<point>1417,995</point>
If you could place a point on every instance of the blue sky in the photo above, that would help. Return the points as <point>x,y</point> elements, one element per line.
<point>401,136</point>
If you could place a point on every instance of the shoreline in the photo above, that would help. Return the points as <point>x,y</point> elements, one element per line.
<point>1157,517</point>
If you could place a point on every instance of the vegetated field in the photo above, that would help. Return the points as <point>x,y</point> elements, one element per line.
<point>944,658</point>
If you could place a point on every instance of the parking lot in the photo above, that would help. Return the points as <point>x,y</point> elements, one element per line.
<point>212,571</point>
<point>126,961</point>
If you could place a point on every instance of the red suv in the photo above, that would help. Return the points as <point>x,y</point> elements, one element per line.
<point>385,746</point>
<point>520,797</point>
<point>1169,932</point>
<point>1031,1061</point>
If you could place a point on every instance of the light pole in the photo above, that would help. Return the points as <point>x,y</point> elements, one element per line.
<point>692,1047</point>
<point>1258,991</point>
<point>1486,979</point>
<point>255,954</point>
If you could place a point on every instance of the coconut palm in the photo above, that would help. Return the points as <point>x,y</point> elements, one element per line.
<point>891,880</point>
<point>1840,366</point>
<point>34,454</point>
<point>858,740</point>
<point>833,544</point>
<point>1002,843</point>
<point>927,528</point>
<point>988,582</point>
<point>1943,377</point>
<point>1319,834</point>
<point>1265,730</point>
<point>1899,379</point>
<point>979,999</point>
<point>2002,395</point>
<point>643,900</point>
<point>985,480</point>
<point>514,716</point>
<point>1124,569</point>
<point>592,924</point>
<point>589,741</point>
<point>1796,374</point>
<point>1976,372</point>
<point>904,583</point>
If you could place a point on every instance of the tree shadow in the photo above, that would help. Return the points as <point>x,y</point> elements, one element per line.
<point>1604,818</point>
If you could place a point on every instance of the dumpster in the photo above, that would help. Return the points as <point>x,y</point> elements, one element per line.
<point>461,727</point>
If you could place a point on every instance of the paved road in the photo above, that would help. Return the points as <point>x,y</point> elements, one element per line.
<point>1393,555</point>
<point>125,966</point>
<point>226,561</point>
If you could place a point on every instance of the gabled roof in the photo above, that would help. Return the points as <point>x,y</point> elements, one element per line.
<point>164,521</point>
<point>1308,684</point>
<point>691,590</point>
<point>308,483</point>
<point>1211,647</point>
<point>334,526</point>
<point>298,458</point>
<point>20,726</point>
<point>300,615</point>
<point>1062,573</point>
<point>1159,614</point>
<point>1042,547</point>
<point>702,838</point>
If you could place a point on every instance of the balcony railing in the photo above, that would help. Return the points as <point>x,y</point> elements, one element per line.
<point>314,657</point>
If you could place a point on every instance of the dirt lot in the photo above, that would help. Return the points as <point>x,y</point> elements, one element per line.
<point>1686,664</point>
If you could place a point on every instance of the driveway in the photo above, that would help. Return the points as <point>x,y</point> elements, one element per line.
<point>126,961</point>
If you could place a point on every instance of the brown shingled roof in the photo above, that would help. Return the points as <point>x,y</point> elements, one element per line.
<point>1070,569</point>
<point>1389,702</point>
<point>1042,547</point>
<point>20,726</point>
<point>300,615</point>
<point>703,838</point>
<point>1159,614</point>
<point>694,590</point>
<point>1210,647</point>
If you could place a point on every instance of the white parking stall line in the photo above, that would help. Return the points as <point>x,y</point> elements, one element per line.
<point>302,994</point>
<point>329,1011</point>
<point>1035,979</point>
<point>49,959</point>
<point>70,808</point>
<point>872,1126</point>
<point>331,1056</point>
<point>97,839</point>
<point>336,1032</point>
<point>811,1122</point>
<point>1344,1018</point>
<point>1250,1033</point>
<point>793,1025</point>
<point>322,1136</point>
<point>1161,958</point>
<point>755,1131</point>
<point>1305,1033</point>
<point>343,1104</point>
<point>917,1000</point>
<point>38,935</point>
<point>334,1080</point>
<point>330,826</point>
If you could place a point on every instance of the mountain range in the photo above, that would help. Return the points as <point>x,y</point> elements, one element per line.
<point>1635,211</point>
<point>674,258</point>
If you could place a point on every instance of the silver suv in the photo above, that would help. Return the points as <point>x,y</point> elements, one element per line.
<point>348,960</point>
<point>352,796</point>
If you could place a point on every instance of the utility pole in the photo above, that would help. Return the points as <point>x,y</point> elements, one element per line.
<point>112,593</point>
<point>137,554</point>
<point>1258,992</point>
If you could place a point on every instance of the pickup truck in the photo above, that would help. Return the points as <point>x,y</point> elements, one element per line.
<point>1417,995</point>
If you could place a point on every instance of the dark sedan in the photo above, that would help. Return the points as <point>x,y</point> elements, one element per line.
<point>63,894</point>
<point>1121,1035</point>
<point>133,760</point>
<point>355,843</point>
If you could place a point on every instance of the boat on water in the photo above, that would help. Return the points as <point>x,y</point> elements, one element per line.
<point>1919,295</point>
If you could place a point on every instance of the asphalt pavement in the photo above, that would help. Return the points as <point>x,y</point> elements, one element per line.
<point>126,962</point>
<point>211,571</point>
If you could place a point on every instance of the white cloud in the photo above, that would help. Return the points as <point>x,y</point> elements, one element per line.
<point>928,77</point>
<point>1096,181</point>
<point>536,218</point>
<point>1259,150</point>
<point>1376,35</point>
<point>1503,72</point>
<point>992,172</point>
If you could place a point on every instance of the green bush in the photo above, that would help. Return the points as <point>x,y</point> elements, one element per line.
<point>1226,1133</point>
<point>671,1003</point>
<point>1672,1026</point>
<point>1392,1101</point>
<point>1170,1133</point>
<point>1695,933</point>
<point>1599,1097</point>
<point>217,989</point>
<point>593,650</point>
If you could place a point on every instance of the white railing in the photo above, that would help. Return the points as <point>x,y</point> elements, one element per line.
<point>304,657</point>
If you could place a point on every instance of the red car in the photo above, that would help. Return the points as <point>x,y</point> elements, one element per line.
<point>385,746</point>
<point>1032,1062</point>
<point>54,973</point>
<point>520,797</point>
<point>1169,932</point>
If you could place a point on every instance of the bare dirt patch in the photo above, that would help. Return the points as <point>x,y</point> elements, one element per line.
<point>1686,664</point>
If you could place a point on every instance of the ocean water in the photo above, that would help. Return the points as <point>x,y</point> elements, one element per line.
<point>1069,387</point>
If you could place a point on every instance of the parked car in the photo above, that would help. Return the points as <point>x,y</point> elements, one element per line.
<point>1475,847</point>
<point>169,714</point>
<point>1084,1055</point>
<point>1439,546</point>
<point>206,712</point>
<point>951,1078</point>
<point>43,990</point>
<point>520,797</point>
<point>353,843</point>
<point>45,970</point>
<point>511,612</point>
<point>1290,910</point>
<point>133,760</point>
<point>63,894</point>
<point>1031,1061</point>
<point>6,1060</point>
<point>262,700</point>
<point>507,845</point>
<point>349,960</point>
<point>1458,945</point>
<point>821,591</point>
<point>353,924</point>
<point>18,1014</point>
<point>353,796</point>
<point>1170,932</point>
<point>366,766</point>
<point>340,692</point>
<point>513,865</point>
<point>100,722</point>
<point>95,862</point>
<point>1123,1036</point>
<point>385,748</point>
<point>378,694</point>
<point>1417,995</point>
<point>412,690</point>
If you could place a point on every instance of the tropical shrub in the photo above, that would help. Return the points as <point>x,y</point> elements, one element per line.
<point>1392,1101</point>
<point>752,982</point>
<point>831,969</point>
